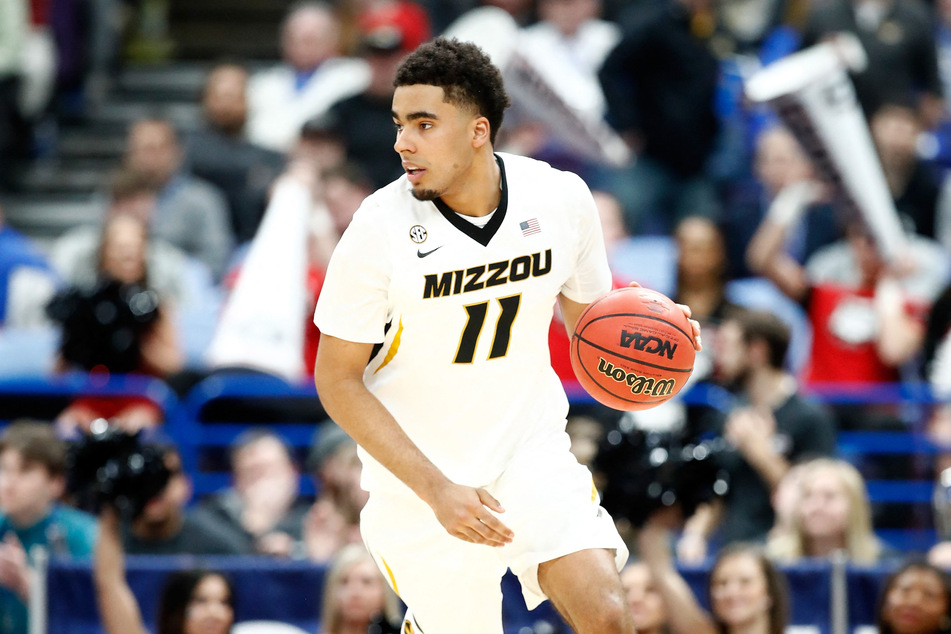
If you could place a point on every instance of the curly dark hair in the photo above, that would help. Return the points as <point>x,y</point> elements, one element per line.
<point>464,72</point>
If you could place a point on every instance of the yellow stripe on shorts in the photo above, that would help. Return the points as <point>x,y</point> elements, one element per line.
<point>393,347</point>
<point>594,491</point>
<point>390,574</point>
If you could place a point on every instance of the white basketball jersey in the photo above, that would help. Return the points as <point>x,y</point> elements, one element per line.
<point>461,313</point>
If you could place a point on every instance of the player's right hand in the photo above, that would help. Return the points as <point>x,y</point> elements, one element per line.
<point>465,513</point>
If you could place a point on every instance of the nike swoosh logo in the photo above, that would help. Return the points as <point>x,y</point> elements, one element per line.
<point>422,254</point>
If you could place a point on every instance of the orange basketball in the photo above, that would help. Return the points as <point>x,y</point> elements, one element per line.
<point>632,349</point>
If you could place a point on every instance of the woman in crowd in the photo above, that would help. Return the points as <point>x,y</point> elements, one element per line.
<point>832,514</point>
<point>356,598</point>
<point>915,599</point>
<point>191,602</point>
<point>645,601</point>
<point>120,326</point>
<point>747,593</point>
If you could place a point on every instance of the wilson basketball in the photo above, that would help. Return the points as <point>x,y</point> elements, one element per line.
<point>632,349</point>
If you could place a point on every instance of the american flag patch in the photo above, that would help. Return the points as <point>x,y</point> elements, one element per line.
<point>530,227</point>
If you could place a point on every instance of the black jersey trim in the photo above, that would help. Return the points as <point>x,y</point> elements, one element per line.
<point>482,235</point>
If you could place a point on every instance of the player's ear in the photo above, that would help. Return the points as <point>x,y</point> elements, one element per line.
<point>480,132</point>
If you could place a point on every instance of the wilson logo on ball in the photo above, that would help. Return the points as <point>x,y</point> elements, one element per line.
<point>632,349</point>
<point>648,343</point>
<point>638,384</point>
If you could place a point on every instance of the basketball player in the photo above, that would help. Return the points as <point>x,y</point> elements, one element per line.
<point>433,356</point>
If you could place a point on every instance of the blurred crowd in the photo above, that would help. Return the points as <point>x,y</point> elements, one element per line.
<point>212,244</point>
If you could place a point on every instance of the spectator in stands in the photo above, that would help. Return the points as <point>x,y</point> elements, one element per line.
<point>915,599</point>
<point>659,83</point>
<point>27,280</point>
<point>786,182</point>
<point>220,153</point>
<point>568,44</point>
<point>702,270</point>
<point>262,506</point>
<point>833,515</point>
<point>189,212</point>
<point>785,500</point>
<point>364,121</point>
<point>521,10</point>
<point>165,528</point>
<point>32,480</point>
<point>333,520</point>
<point>359,16</point>
<point>75,254</point>
<point>898,37</point>
<point>191,601</point>
<point>136,334</point>
<point>866,315</point>
<point>311,78</point>
<point>14,137</point>
<point>356,598</point>
<point>914,186</point>
<point>747,593</point>
<point>645,600</point>
<point>771,425</point>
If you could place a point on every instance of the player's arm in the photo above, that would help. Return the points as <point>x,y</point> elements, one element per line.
<point>570,312</point>
<point>462,510</point>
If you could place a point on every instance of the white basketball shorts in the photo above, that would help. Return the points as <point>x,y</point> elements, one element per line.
<point>452,586</point>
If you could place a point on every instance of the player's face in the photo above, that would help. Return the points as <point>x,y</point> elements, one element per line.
<point>434,139</point>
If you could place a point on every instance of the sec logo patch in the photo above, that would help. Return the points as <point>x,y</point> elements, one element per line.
<point>418,234</point>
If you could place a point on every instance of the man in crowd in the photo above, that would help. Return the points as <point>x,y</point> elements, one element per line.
<point>220,153</point>
<point>261,508</point>
<point>165,528</point>
<point>771,425</point>
<point>32,479</point>
<point>189,212</point>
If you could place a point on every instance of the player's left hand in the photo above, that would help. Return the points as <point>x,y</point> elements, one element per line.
<point>697,343</point>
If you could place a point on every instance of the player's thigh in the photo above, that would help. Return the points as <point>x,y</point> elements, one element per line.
<point>586,589</point>
<point>554,509</point>
<point>449,585</point>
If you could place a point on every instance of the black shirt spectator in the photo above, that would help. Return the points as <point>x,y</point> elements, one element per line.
<point>898,38</point>
<point>220,154</point>
<point>659,83</point>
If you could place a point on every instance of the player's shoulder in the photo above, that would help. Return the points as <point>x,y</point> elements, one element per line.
<point>522,171</point>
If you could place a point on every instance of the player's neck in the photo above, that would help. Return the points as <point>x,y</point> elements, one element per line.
<point>479,192</point>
